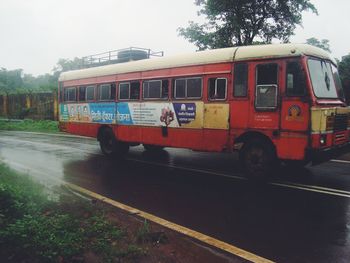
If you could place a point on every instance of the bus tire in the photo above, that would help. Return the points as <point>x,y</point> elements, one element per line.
<point>152,148</point>
<point>296,164</point>
<point>110,146</point>
<point>259,159</point>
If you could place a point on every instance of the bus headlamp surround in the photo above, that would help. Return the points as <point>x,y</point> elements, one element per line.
<point>323,139</point>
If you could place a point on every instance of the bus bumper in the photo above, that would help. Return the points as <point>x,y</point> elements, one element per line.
<point>317,156</point>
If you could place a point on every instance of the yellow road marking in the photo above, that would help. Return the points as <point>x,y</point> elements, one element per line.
<point>183,230</point>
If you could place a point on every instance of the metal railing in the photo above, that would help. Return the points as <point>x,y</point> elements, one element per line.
<point>119,56</point>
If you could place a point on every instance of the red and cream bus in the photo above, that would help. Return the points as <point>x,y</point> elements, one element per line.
<point>269,102</point>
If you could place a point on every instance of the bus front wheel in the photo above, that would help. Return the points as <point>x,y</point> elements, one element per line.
<point>296,164</point>
<point>110,146</point>
<point>259,159</point>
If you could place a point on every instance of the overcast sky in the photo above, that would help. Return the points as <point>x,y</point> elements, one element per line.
<point>36,33</point>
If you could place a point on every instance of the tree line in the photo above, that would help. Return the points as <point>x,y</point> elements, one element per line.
<point>16,81</point>
<point>228,23</point>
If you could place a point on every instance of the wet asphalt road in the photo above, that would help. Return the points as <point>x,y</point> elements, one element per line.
<point>295,221</point>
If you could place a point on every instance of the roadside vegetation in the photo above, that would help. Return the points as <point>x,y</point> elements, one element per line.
<point>41,226</point>
<point>29,125</point>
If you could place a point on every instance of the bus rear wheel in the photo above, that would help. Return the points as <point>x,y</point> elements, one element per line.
<point>259,159</point>
<point>110,146</point>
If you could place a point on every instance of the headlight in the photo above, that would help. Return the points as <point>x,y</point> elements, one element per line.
<point>323,139</point>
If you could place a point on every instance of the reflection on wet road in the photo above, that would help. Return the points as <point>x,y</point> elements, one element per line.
<point>197,190</point>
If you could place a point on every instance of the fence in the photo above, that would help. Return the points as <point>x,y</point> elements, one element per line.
<point>38,106</point>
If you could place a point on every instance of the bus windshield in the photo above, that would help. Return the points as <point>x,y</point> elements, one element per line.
<point>325,79</point>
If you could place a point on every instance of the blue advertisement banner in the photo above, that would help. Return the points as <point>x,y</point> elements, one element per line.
<point>64,114</point>
<point>133,113</point>
<point>88,112</point>
<point>123,114</point>
<point>102,112</point>
<point>185,112</point>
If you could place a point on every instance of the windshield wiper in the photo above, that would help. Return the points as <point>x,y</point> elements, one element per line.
<point>327,80</point>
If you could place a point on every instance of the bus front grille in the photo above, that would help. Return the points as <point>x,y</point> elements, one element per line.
<point>340,138</point>
<point>340,122</point>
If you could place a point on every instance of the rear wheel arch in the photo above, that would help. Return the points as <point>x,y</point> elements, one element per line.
<point>101,130</point>
<point>253,135</point>
<point>109,144</point>
<point>258,155</point>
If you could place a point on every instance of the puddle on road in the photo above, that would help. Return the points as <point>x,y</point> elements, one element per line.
<point>43,167</point>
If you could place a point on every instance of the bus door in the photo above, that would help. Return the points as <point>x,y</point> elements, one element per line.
<point>264,107</point>
<point>295,111</point>
<point>216,112</point>
<point>240,99</point>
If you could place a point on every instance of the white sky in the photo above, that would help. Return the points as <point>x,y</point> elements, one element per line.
<point>34,34</point>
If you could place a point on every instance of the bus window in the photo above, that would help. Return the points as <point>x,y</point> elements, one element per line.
<point>124,91</point>
<point>129,90</point>
<point>190,88</point>
<point>217,89</point>
<point>266,74</point>
<point>135,90</point>
<point>295,79</point>
<point>180,89</point>
<point>165,89</point>
<point>194,88</point>
<point>113,91</point>
<point>155,89</point>
<point>322,79</point>
<point>240,80</point>
<point>61,97</point>
<point>70,94</point>
<point>82,93</point>
<point>152,89</point>
<point>338,83</point>
<point>90,93</point>
<point>266,87</point>
<point>106,92</point>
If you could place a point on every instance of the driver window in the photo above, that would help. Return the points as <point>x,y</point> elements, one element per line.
<point>296,85</point>
<point>266,87</point>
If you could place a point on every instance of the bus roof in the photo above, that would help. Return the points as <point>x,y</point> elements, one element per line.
<point>199,58</point>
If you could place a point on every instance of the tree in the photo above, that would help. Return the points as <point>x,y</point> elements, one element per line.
<point>45,82</point>
<point>241,22</point>
<point>15,81</point>
<point>10,80</point>
<point>323,43</point>
<point>344,72</point>
<point>66,65</point>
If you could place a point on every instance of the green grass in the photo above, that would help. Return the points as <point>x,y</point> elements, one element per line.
<point>35,228</point>
<point>29,125</point>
